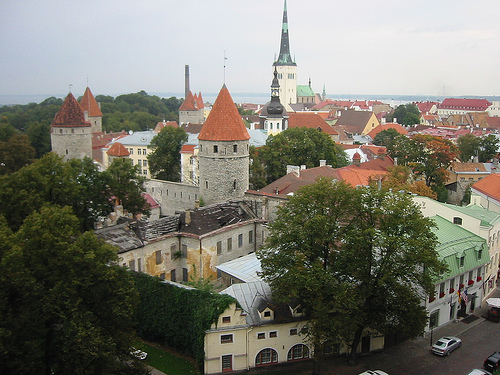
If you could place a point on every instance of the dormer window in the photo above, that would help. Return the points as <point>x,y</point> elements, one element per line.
<point>457,220</point>
<point>267,314</point>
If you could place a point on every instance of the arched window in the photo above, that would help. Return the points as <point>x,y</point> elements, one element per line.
<point>266,357</point>
<point>298,352</point>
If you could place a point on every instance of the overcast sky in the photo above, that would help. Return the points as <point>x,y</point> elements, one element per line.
<point>396,47</point>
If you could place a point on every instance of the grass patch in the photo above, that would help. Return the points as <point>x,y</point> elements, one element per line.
<point>167,362</point>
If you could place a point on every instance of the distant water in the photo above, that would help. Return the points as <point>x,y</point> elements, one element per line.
<point>255,98</point>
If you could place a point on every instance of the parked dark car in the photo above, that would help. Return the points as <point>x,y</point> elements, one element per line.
<point>492,363</point>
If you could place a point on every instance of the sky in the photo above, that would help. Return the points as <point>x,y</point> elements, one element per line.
<point>387,47</point>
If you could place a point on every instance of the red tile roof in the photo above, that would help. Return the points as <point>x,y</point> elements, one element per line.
<point>160,125</point>
<point>224,122</point>
<point>309,120</point>
<point>360,174</point>
<point>187,149</point>
<point>425,107</point>
<point>90,105</point>
<point>466,104</point>
<point>150,200</point>
<point>386,126</point>
<point>493,122</point>
<point>189,103</point>
<point>118,150</point>
<point>70,114</point>
<point>199,101</point>
<point>489,186</point>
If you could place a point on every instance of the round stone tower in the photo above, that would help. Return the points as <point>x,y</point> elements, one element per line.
<point>223,152</point>
<point>70,132</point>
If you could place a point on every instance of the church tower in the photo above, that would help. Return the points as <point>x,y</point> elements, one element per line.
<point>70,132</point>
<point>274,117</point>
<point>223,152</point>
<point>92,110</point>
<point>286,68</point>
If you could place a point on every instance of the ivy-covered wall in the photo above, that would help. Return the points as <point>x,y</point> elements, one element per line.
<point>176,317</point>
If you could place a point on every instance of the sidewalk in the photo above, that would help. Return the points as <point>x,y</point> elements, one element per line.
<point>458,327</point>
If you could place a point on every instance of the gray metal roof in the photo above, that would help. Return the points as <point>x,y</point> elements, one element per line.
<point>244,268</point>
<point>252,297</point>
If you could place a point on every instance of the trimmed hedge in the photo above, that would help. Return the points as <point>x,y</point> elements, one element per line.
<point>176,317</point>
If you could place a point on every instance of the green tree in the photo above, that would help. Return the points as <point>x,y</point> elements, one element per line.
<point>299,146</point>
<point>468,147</point>
<point>488,148</point>
<point>77,183</point>
<point>354,258</point>
<point>39,136</point>
<point>126,185</point>
<point>386,138</point>
<point>407,114</point>
<point>15,153</point>
<point>257,170</point>
<point>428,156</point>
<point>165,158</point>
<point>64,308</point>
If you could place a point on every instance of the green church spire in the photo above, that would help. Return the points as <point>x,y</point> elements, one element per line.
<point>284,57</point>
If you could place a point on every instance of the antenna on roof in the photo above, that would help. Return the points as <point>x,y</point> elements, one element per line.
<point>225,58</point>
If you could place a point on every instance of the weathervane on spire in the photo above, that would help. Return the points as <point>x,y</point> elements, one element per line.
<point>225,58</point>
<point>70,86</point>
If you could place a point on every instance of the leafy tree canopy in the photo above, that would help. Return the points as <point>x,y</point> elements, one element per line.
<point>64,309</point>
<point>406,114</point>
<point>386,138</point>
<point>165,158</point>
<point>428,156</point>
<point>354,259</point>
<point>76,183</point>
<point>484,148</point>
<point>299,146</point>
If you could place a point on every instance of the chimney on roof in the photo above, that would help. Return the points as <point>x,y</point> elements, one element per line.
<point>322,163</point>
<point>293,169</point>
<point>186,81</point>
<point>188,218</point>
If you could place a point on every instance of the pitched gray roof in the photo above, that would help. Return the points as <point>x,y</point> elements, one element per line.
<point>244,268</point>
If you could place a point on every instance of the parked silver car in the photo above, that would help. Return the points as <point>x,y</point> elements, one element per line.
<point>445,345</point>
<point>479,372</point>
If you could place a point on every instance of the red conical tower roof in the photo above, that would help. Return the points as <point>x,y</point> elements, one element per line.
<point>70,114</point>
<point>189,104</point>
<point>90,105</point>
<point>224,122</point>
<point>199,101</point>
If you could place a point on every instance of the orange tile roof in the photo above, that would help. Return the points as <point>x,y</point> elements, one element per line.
<point>90,105</point>
<point>224,122</point>
<point>199,101</point>
<point>489,186</point>
<point>189,103</point>
<point>160,125</point>
<point>309,120</point>
<point>118,149</point>
<point>70,114</point>
<point>187,149</point>
<point>360,174</point>
<point>386,126</point>
<point>467,167</point>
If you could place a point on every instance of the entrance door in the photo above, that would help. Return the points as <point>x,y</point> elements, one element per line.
<point>472,302</point>
<point>227,363</point>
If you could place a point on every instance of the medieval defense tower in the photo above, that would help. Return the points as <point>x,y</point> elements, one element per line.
<point>286,68</point>
<point>223,152</point>
<point>92,110</point>
<point>70,132</point>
